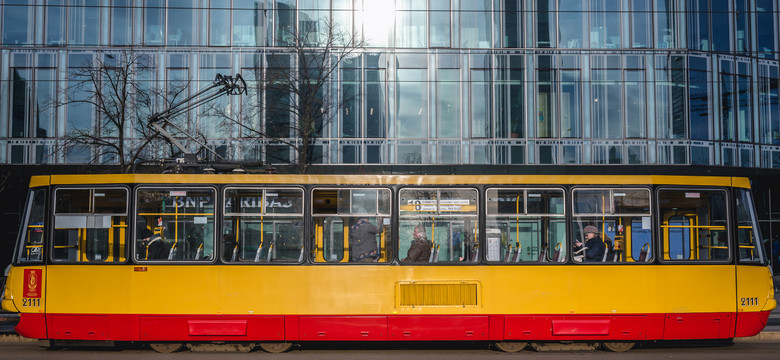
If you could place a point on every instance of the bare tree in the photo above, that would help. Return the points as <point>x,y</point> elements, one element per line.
<point>294,86</point>
<point>120,89</point>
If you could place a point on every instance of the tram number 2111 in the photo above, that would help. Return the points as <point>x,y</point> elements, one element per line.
<point>31,302</point>
<point>753,301</point>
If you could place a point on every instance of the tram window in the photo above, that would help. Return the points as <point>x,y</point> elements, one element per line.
<point>694,224</point>
<point>443,219</point>
<point>748,232</point>
<point>263,225</point>
<point>619,221</point>
<point>175,224</point>
<point>90,225</point>
<point>525,225</point>
<point>351,225</point>
<point>32,230</point>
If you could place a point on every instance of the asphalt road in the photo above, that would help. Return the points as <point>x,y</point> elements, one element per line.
<point>448,351</point>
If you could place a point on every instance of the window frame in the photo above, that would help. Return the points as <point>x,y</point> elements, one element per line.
<point>21,238</point>
<point>659,238</point>
<point>389,248</point>
<point>477,216</point>
<point>175,187</point>
<point>627,253</point>
<point>223,214</point>
<point>52,214</point>
<point>525,214</point>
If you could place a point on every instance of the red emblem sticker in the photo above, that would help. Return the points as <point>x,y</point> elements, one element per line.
<point>32,283</point>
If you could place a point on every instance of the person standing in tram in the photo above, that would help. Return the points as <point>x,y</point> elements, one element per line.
<point>594,247</point>
<point>152,246</point>
<point>362,241</point>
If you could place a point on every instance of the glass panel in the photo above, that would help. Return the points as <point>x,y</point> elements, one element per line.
<point>121,21</point>
<point>513,23</point>
<point>640,240</point>
<point>313,17</point>
<point>635,104</point>
<point>665,24</point>
<point>16,22</point>
<point>728,107</point>
<point>219,27</point>
<point>571,29</point>
<point>30,238</point>
<point>83,26</point>
<point>263,225</point>
<point>333,239</point>
<point>448,103</point>
<point>641,24</point>
<point>607,104</point>
<point>81,233</point>
<point>748,232</point>
<point>481,99</point>
<point>694,224</point>
<point>571,123</point>
<point>745,113</point>
<point>545,23</point>
<point>377,22</point>
<point>181,17</point>
<point>721,24</point>
<point>412,103</point>
<point>248,23</point>
<point>375,104</point>
<point>605,24</point>
<point>526,239</point>
<point>699,99</point>
<point>699,25</point>
<point>21,91</point>
<point>175,224</point>
<point>411,30</point>
<point>154,28</point>
<point>56,29</point>
<point>742,27</point>
<point>350,91</point>
<point>766,28</point>
<point>475,24</point>
<point>546,102</point>
<point>441,239</point>
<point>628,201</point>
<point>592,201</point>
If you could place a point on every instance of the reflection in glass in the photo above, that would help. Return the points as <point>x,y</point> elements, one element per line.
<point>605,24</point>
<point>55,22</point>
<point>412,103</point>
<point>475,24</point>
<point>607,104</point>
<point>121,22</point>
<point>83,25</point>
<point>570,104</point>
<point>545,23</point>
<point>248,23</point>
<point>154,24</point>
<point>571,31</point>
<point>641,24</point>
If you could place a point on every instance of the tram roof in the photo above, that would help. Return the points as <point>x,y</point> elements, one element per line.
<point>377,180</point>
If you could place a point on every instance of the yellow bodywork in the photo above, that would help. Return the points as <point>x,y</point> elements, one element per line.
<point>341,290</point>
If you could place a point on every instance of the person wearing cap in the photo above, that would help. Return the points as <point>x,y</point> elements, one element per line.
<point>420,250</point>
<point>152,246</point>
<point>594,247</point>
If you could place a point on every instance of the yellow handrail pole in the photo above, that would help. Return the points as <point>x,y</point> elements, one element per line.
<point>517,221</point>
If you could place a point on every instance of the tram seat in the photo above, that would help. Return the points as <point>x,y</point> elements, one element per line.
<point>172,252</point>
<point>270,251</point>
<point>475,255</point>
<point>435,254</point>
<point>508,255</point>
<point>556,256</point>
<point>543,255</point>
<point>608,250</point>
<point>199,252</point>
<point>257,253</point>
<point>643,254</point>
<point>300,256</point>
<point>234,257</point>
<point>517,256</point>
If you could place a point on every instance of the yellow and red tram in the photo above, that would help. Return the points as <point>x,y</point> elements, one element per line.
<point>272,259</point>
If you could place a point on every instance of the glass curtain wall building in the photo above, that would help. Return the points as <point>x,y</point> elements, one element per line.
<point>451,82</point>
<point>541,82</point>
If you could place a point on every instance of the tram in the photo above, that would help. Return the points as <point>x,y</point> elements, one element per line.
<point>274,260</point>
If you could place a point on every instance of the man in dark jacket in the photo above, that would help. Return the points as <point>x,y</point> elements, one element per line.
<point>362,241</point>
<point>420,250</point>
<point>594,246</point>
<point>152,246</point>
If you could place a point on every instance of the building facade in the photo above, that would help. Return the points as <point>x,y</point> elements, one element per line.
<point>498,82</point>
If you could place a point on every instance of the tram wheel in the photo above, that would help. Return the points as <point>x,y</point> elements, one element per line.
<point>275,347</point>
<point>511,346</point>
<point>166,348</point>
<point>618,346</point>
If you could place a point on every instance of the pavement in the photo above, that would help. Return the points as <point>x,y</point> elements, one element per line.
<point>770,333</point>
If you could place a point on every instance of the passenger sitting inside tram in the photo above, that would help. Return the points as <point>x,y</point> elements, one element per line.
<point>151,246</point>
<point>362,241</point>
<point>420,249</point>
<point>593,248</point>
